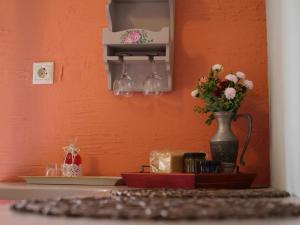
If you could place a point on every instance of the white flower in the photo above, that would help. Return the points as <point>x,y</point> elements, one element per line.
<point>241,75</point>
<point>232,78</point>
<point>195,93</point>
<point>217,67</point>
<point>230,93</point>
<point>248,84</point>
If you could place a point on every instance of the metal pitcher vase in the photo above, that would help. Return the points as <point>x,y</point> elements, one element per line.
<point>224,145</point>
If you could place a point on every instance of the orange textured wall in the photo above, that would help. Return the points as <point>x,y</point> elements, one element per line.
<point>117,134</point>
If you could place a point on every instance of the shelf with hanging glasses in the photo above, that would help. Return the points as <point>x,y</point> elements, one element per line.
<point>138,46</point>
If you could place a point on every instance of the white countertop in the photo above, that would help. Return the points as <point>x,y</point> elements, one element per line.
<point>17,191</point>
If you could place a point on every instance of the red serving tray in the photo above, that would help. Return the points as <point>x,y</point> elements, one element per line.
<point>189,181</point>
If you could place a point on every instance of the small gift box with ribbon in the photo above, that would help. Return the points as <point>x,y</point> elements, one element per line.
<point>72,163</point>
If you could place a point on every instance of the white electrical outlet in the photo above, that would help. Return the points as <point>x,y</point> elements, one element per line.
<point>43,73</point>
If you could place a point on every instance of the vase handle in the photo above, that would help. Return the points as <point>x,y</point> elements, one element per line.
<point>249,118</point>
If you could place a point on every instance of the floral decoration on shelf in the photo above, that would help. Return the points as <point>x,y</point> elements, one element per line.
<point>135,37</point>
<point>221,94</point>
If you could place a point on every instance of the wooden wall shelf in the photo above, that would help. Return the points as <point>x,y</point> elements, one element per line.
<point>139,29</point>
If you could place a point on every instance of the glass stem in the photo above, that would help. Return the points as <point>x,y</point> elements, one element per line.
<point>153,66</point>
<point>124,67</point>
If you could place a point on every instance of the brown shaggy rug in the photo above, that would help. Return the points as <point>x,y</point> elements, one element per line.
<point>161,204</point>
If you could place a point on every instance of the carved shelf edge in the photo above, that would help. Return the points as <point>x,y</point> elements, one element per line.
<point>136,36</point>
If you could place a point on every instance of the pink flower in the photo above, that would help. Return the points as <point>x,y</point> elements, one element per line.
<point>230,93</point>
<point>249,84</point>
<point>133,37</point>
<point>127,40</point>
<point>241,75</point>
<point>231,77</point>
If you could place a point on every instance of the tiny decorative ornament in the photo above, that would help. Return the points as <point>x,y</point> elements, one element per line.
<point>72,164</point>
<point>222,99</point>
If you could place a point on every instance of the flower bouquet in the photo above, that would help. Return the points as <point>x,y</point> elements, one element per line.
<point>219,94</point>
